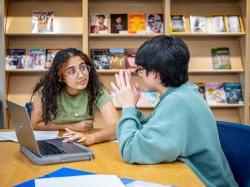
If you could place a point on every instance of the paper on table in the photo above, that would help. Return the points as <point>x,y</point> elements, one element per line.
<point>39,135</point>
<point>145,184</point>
<point>82,180</point>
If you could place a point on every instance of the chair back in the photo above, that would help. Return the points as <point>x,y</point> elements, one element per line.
<point>235,142</point>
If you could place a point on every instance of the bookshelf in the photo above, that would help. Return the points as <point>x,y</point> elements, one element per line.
<point>72,29</point>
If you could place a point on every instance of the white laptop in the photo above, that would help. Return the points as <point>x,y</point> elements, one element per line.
<point>48,151</point>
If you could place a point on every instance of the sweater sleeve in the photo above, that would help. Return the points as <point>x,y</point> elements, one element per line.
<point>154,142</point>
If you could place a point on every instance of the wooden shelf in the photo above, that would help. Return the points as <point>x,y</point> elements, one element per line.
<point>208,34</point>
<point>227,106</point>
<point>23,71</point>
<point>122,35</point>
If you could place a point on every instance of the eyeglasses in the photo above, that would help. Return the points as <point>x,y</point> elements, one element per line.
<point>73,72</point>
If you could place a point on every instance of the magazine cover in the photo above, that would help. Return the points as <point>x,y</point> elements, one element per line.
<point>154,23</point>
<point>100,58</point>
<point>117,58</point>
<point>233,92</point>
<point>42,21</point>
<point>233,24</point>
<point>147,99</point>
<point>200,24</point>
<point>221,58</point>
<point>136,24</point>
<point>100,23</point>
<point>15,59</point>
<point>215,93</point>
<point>177,23</point>
<point>218,24</point>
<point>50,54</point>
<point>130,58</point>
<point>119,23</point>
<point>201,88</point>
<point>37,58</point>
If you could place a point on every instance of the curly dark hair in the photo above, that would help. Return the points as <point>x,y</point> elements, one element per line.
<point>51,84</point>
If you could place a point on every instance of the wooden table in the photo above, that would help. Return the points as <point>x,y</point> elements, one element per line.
<point>15,168</point>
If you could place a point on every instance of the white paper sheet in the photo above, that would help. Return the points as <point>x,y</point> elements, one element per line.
<point>145,184</point>
<point>39,135</point>
<point>82,180</point>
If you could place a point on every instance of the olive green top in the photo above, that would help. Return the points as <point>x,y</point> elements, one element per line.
<point>75,108</point>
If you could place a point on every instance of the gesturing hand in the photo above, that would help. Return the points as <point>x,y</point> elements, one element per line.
<point>125,90</point>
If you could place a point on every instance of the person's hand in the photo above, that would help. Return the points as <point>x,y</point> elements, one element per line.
<point>125,90</point>
<point>82,126</point>
<point>86,139</point>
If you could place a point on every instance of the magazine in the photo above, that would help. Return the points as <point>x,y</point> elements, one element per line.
<point>200,24</point>
<point>100,23</point>
<point>221,58</point>
<point>215,93</point>
<point>201,88</point>
<point>130,58</point>
<point>154,23</point>
<point>100,58</point>
<point>50,54</point>
<point>177,23</point>
<point>42,21</point>
<point>15,59</point>
<point>218,24</point>
<point>117,58</point>
<point>136,24</point>
<point>233,24</point>
<point>233,92</point>
<point>119,23</point>
<point>37,58</point>
<point>148,99</point>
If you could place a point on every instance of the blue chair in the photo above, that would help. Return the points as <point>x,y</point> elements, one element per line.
<point>235,142</point>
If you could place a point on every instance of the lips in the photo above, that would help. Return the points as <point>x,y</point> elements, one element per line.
<point>81,82</point>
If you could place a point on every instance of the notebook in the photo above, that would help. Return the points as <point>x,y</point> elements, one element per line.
<point>43,152</point>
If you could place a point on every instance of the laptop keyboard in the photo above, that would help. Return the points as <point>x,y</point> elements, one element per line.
<point>48,149</point>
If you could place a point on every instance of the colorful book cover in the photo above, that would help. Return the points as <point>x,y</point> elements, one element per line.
<point>201,88</point>
<point>100,23</point>
<point>42,21</point>
<point>148,99</point>
<point>15,59</point>
<point>215,93</point>
<point>221,58</point>
<point>177,23</point>
<point>136,24</point>
<point>154,23</point>
<point>119,23</point>
<point>234,23</point>
<point>117,58</point>
<point>100,58</point>
<point>50,54</point>
<point>200,24</point>
<point>218,24</point>
<point>37,58</point>
<point>130,58</point>
<point>233,92</point>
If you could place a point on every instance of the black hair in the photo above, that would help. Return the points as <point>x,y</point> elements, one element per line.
<point>167,55</point>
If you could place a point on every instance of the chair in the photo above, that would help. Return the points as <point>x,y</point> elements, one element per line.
<point>235,142</point>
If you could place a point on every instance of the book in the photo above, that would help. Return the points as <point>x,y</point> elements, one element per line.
<point>200,24</point>
<point>154,23</point>
<point>221,58</point>
<point>136,24</point>
<point>233,92</point>
<point>201,88</point>
<point>42,21</point>
<point>100,23</point>
<point>119,23</point>
<point>15,59</point>
<point>148,99</point>
<point>130,58</point>
<point>117,58</point>
<point>37,58</point>
<point>100,58</point>
<point>218,24</point>
<point>50,54</point>
<point>177,23</point>
<point>215,93</point>
<point>234,23</point>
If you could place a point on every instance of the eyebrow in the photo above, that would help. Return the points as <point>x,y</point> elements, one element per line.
<point>74,66</point>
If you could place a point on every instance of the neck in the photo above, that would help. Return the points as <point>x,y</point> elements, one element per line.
<point>161,89</point>
<point>72,92</point>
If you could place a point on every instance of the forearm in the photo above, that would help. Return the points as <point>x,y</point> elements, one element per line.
<point>53,126</point>
<point>107,134</point>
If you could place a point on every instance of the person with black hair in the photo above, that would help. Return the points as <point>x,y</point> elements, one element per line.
<point>69,95</point>
<point>181,126</point>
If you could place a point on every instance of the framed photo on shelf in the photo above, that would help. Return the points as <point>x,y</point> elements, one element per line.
<point>200,24</point>
<point>234,23</point>
<point>177,23</point>
<point>218,23</point>
<point>154,23</point>
<point>100,24</point>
